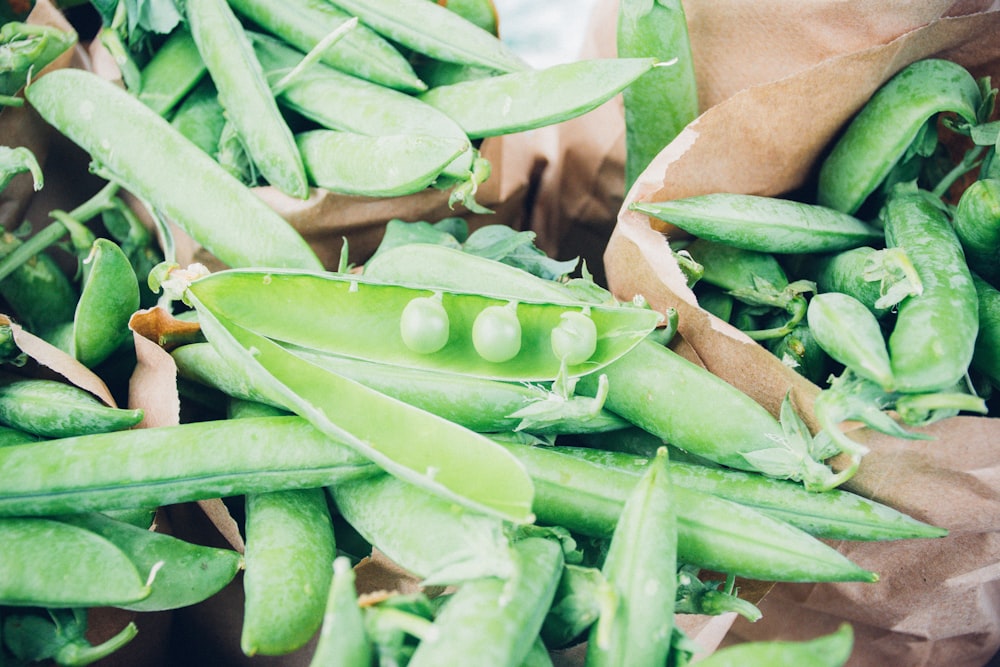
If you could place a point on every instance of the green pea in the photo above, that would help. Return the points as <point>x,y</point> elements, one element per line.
<point>424,324</point>
<point>575,339</point>
<point>496,333</point>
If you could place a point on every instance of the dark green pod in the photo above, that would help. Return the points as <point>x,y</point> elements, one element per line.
<point>977,224</point>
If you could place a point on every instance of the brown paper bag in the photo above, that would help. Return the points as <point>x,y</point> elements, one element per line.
<point>777,85</point>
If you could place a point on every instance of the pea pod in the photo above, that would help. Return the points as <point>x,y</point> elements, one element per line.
<point>365,317</point>
<point>159,466</point>
<point>832,650</point>
<point>175,68</point>
<point>520,101</point>
<point>48,563</point>
<point>977,224</point>
<point>845,272</point>
<point>200,118</point>
<point>764,224</point>
<point>733,268</point>
<point>848,331</point>
<point>986,356</point>
<point>41,295</point>
<point>948,307</point>
<point>29,48</point>
<point>342,637</point>
<point>120,132</point>
<point>55,409</point>
<point>290,547</point>
<point>878,136</point>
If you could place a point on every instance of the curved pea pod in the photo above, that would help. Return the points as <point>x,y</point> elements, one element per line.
<point>41,295</point>
<point>436,540</point>
<point>290,548</point>
<point>520,101</point>
<point>382,166</point>
<point>845,272</point>
<point>54,409</point>
<point>832,650</point>
<point>764,224</point>
<point>186,573</point>
<point>977,223</point>
<point>445,458</point>
<point>507,611</point>
<point>245,95</point>
<point>362,52</point>
<point>933,338</point>
<point>175,68</point>
<point>887,124</point>
<point>185,183</point>
<point>48,563</point>
<point>851,334</point>
<point>432,30</point>
<point>365,315</point>
<point>986,355</point>
<point>160,466</point>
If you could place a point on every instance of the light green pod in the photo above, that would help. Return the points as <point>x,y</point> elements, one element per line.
<point>850,333</point>
<point>342,636</point>
<point>54,409</point>
<point>175,68</point>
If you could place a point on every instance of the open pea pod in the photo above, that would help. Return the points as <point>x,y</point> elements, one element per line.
<point>410,443</point>
<point>352,316</point>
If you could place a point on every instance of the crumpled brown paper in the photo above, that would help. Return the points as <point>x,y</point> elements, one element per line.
<point>777,84</point>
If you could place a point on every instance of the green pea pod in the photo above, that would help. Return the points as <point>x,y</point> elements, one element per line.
<point>54,409</point>
<point>733,268</point>
<point>120,132</point>
<point>434,539</point>
<point>848,331</point>
<point>365,322</point>
<point>186,573</point>
<point>289,551</point>
<point>40,294</point>
<point>641,568</point>
<point>362,53</point>
<point>109,297</point>
<point>159,466</point>
<point>521,101</point>
<point>933,339</point>
<point>845,272</point>
<point>245,95</point>
<point>832,650</point>
<point>200,117</point>
<point>764,224</point>
<point>887,124</point>
<point>342,636</point>
<point>27,48</point>
<point>575,607</point>
<point>977,224</point>
<point>986,356</point>
<point>509,611</point>
<point>446,459</point>
<point>383,166</point>
<point>662,102</point>
<point>48,563</point>
<point>800,350</point>
<point>430,29</point>
<point>175,68</point>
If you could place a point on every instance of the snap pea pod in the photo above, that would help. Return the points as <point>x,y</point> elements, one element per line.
<point>848,331</point>
<point>878,136</point>
<point>845,272</point>
<point>245,95</point>
<point>509,611</point>
<point>365,321</point>
<point>977,224</point>
<point>835,514</point>
<point>396,165</point>
<point>362,53</point>
<point>525,100</point>
<point>933,338</point>
<point>27,48</point>
<point>200,118</point>
<point>49,563</point>
<point>186,573</point>
<point>120,132</point>
<point>733,268</point>
<point>175,68</point>
<point>159,466</point>
<point>832,650</point>
<point>712,532</point>
<point>41,295</point>
<point>54,409</point>
<point>800,350</point>
<point>641,568</point>
<point>986,355</point>
<point>342,636</point>
<point>290,548</point>
<point>662,102</point>
<point>764,224</point>
<point>432,30</point>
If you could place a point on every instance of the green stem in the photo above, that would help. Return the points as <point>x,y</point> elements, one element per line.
<point>969,162</point>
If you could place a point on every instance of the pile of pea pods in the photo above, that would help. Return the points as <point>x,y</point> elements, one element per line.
<point>491,420</point>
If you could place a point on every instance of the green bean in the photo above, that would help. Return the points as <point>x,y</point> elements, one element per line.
<point>764,224</point>
<point>120,133</point>
<point>878,136</point>
<point>48,563</point>
<point>175,68</point>
<point>933,338</point>
<point>521,101</point>
<point>39,292</point>
<point>186,573</point>
<point>55,409</point>
<point>200,117</point>
<point>832,650</point>
<point>508,611</point>
<point>660,103</point>
<point>159,466</point>
<point>641,568</point>
<point>392,166</point>
<point>432,30</point>
<point>342,637</point>
<point>977,225</point>
<point>290,548</point>
<point>362,53</point>
<point>848,331</point>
